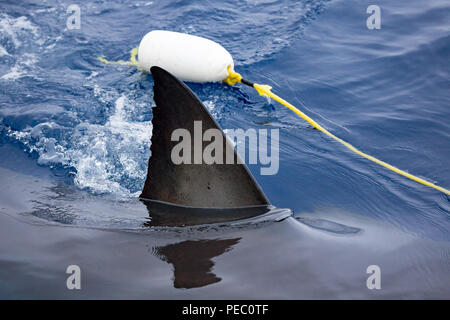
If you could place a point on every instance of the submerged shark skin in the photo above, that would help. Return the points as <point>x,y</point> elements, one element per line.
<point>192,194</point>
<point>283,260</point>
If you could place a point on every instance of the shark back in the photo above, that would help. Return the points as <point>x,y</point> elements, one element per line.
<point>200,185</point>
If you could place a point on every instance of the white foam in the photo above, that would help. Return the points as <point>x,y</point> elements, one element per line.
<point>3,51</point>
<point>23,64</point>
<point>211,106</point>
<point>142,4</point>
<point>51,152</point>
<point>13,74</point>
<point>14,26</point>
<point>103,155</point>
<point>17,29</point>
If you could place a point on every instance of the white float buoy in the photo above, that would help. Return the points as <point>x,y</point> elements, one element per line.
<point>187,57</point>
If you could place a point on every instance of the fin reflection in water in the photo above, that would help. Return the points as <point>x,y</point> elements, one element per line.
<point>192,262</point>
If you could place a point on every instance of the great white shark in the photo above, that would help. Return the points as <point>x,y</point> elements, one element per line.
<point>195,193</point>
<point>180,195</point>
<point>210,244</point>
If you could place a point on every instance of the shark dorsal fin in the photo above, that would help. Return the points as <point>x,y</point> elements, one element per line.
<point>193,185</point>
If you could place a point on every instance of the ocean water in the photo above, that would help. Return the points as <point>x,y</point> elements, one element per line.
<point>85,126</point>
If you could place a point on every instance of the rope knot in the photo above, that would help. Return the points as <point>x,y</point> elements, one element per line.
<point>233,77</point>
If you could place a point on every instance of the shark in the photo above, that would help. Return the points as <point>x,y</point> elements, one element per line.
<point>195,233</point>
<point>185,194</point>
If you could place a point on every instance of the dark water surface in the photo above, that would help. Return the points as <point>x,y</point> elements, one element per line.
<point>75,137</point>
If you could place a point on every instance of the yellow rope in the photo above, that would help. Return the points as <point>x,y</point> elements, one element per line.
<point>133,54</point>
<point>132,62</point>
<point>233,77</point>
<point>265,90</point>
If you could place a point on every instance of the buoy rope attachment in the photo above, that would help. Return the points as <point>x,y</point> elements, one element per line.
<point>132,62</point>
<point>265,90</point>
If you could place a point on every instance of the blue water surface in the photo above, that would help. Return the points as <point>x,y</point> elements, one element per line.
<point>385,91</point>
